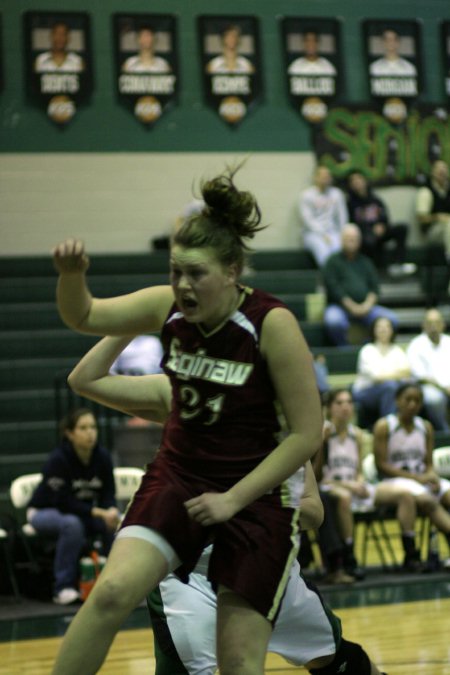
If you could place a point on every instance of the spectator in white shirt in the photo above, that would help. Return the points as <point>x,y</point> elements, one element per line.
<point>433,207</point>
<point>142,356</point>
<point>380,368</point>
<point>429,359</point>
<point>323,211</point>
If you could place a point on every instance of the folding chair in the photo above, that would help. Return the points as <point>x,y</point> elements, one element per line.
<point>441,461</point>
<point>20,493</point>
<point>7,546</point>
<point>127,480</point>
<point>372,521</point>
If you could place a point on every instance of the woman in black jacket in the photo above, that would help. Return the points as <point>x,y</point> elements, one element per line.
<point>75,499</point>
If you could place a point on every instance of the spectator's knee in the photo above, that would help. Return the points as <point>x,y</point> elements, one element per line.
<point>427,504</point>
<point>73,526</point>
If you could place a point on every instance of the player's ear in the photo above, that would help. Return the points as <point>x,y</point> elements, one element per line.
<point>232,273</point>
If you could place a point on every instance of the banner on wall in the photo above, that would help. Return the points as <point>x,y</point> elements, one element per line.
<point>354,138</point>
<point>313,69</point>
<point>231,64</point>
<point>58,61</point>
<point>146,64</point>
<point>394,64</point>
<point>446,55</point>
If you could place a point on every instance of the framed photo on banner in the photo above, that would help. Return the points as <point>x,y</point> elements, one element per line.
<point>58,61</point>
<point>313,68</point>
<point>231,65</point>
<point>393,64</point>
<point>146,64</point>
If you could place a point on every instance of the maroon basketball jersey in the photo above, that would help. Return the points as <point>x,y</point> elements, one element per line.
<point>223,420</point>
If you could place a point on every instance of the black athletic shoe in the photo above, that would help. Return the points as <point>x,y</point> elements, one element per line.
<point>357,572</point>
<point>412,565</point>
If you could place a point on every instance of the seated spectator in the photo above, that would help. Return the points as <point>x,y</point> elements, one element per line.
<point>433,207</point>
<point>141,357</point>
<point>403,447</point>
<point>429,359</point>
<point>321,373</point>
<point>338,469</point>
<point>370,214</point>
<point>351,283</point>
<point>75,500</point>
<point>323,213</point>
<point>381,366</point>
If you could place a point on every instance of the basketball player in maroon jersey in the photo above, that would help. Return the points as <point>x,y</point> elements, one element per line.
<point>222,473</point>
<point>183,616</point>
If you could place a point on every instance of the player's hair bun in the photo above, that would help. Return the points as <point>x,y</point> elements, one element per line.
<point>229,207</point>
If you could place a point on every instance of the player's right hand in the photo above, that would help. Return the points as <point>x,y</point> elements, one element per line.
<point>69,256</point>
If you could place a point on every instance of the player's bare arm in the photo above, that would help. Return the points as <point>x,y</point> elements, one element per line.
<point>146,396</point>
<point>130,314</point>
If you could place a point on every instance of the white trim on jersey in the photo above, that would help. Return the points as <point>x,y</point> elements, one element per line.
<point>241,320</point>
<point>175,316</point>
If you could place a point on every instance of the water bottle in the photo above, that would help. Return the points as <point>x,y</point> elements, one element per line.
<point>433,562</point>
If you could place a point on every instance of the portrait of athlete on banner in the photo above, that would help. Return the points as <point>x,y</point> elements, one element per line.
<point>393,61</point>
<point>311,63</point>
<point>146,64</point>
<point>230,61</point>
<point>146,61</point>
<point>58,61</point>
<point>59,58</point>
<point>230,57</point>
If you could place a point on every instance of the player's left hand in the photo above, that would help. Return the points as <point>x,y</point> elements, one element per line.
<point>210,508</point>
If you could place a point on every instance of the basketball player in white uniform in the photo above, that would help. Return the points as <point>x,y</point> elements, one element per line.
<point>403,446</point>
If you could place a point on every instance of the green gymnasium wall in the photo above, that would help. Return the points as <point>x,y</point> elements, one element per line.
<point>105,126</point>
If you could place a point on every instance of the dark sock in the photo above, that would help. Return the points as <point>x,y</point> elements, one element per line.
<point>334,561</point>
<point>350,562</point>
<point>409,546</point>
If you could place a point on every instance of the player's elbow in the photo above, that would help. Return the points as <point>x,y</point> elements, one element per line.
<point>75,383</point>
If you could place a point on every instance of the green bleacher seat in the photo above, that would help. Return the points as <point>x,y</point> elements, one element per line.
<point>42,289</point>
<point>29,315</point>
<point>282,260</point>
<point>296,303</point>
<point>284,282</point>
<point>44,343</point>
<point>339,360</point>
<point>314,333</point>
<point>30,405</point>
<point>19,437</point>
<point>123,263</point>
<point>19,374</point>
<point>441,439</point>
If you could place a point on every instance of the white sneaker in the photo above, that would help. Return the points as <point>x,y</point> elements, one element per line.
<point>402,269</point>
<point>66,596</point>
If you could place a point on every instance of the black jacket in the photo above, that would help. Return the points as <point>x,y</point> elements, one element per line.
<point>73,487</point>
